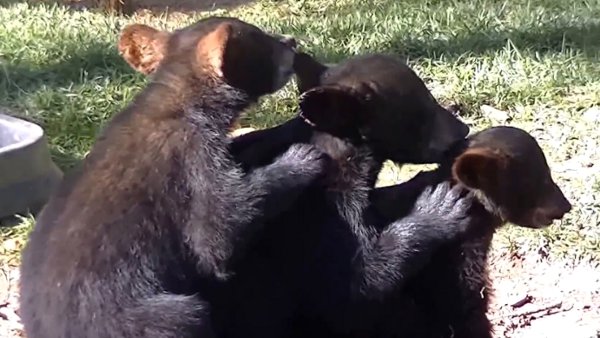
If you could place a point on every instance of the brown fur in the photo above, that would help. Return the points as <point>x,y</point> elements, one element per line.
<point>143,47</point>
<point>139,241</point>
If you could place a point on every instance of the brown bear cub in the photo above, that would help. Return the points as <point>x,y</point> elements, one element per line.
<point>508,173</point>
<point>159,208</point>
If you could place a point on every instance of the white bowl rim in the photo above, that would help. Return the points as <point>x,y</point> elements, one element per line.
<point>31,131</point>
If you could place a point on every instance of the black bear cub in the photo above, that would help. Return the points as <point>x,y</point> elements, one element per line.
<point>322,261</point>
<point>159,208</point>
<point>508,173</point>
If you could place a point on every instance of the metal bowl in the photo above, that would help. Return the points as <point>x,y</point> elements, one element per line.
<point>27,174</point>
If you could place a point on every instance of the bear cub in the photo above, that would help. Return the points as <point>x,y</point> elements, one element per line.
<point>132,244</point>
<point>323,261</point>
<point>507,171</point>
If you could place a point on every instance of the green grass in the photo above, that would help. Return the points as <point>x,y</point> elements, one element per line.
<point>539,60</point>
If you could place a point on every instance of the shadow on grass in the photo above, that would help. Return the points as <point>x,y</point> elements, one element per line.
<point>186,5</point>
<point>92,61</point>
<point>44,90</point>
<point>546,39</point>
<point>131,6</point>
<point>88,60</point>
<point>584,40</point>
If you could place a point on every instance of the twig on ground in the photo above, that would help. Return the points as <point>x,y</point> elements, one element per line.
<point>556,305</point>
<point>521,301</point>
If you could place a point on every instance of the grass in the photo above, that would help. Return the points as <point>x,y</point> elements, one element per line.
<point>538,60</point>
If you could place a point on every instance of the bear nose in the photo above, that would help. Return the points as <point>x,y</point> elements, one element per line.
<point>563,205</point>
<point>564,208</point>
<point>560,211</point>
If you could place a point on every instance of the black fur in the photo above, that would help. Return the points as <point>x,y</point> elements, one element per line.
<point>159,207</point>
<point>323,263</point>
<point>449,297</point>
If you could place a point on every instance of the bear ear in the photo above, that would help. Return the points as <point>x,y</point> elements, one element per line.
<point>211,48</point>
<point>479,168</point>
<point>143,47</point>
<point>332,109</point>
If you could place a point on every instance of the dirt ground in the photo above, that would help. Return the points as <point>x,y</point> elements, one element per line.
<point>533,298</point>
<point>542,299</point>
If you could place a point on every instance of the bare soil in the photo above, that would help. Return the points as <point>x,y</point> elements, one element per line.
<point>538,298</point>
